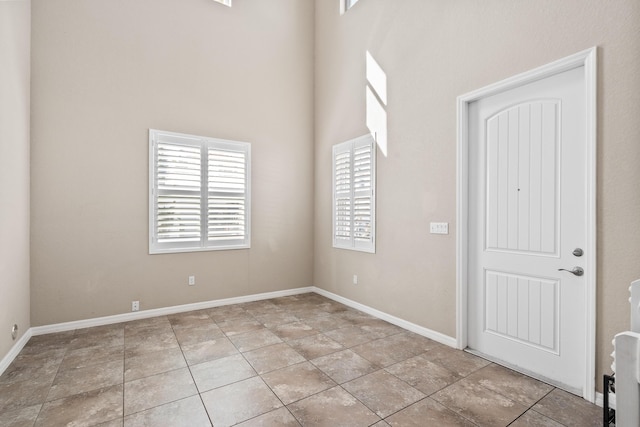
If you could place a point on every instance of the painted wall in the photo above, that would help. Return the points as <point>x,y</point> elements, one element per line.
<point>104,72</point>
<point>15,29</point>
<point>431,52</point>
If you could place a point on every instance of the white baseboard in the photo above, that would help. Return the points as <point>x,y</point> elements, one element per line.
<point>126,317</point>
<point>425,332</point>
<point>144,314</point>
<point>15,350</point>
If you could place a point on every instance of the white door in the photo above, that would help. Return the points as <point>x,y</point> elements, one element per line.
<point>527,216</point>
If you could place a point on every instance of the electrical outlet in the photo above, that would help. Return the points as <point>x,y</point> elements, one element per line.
<point>192,280</point>
<point>14,332</point>
<point>355,279</point>
<point>135,305</point>
<point>439,228</point>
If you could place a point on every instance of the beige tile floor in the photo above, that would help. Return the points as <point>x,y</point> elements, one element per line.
<point>291,361</point>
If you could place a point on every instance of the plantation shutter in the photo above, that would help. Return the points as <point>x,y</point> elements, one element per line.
<point>199,193</point>
<point>178,198</point>
<point>342,198</point>
<point>354,194</point>
<point>227,189</point>
<point>363,193</point>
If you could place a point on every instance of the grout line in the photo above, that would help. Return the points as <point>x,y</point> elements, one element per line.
<point>286,309</point>
<point>534,404</point>
<point>206,411</point>
<point>256,372</point>
<point>66,350</point>
<point>152,375</point>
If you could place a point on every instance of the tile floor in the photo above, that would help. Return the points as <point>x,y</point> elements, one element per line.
<point>291,361</point>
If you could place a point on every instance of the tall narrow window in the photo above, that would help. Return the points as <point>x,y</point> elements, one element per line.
<point>354,179</point>
<point>199,195</point>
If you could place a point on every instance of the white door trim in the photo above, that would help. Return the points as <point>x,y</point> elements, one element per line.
<point>588,60</point>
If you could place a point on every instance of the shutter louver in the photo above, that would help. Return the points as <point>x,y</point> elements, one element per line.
<point>227,187</point>
<point>354,194</point>
<point>179,193</point>
<point>362,180</point>
<point>342,196</point>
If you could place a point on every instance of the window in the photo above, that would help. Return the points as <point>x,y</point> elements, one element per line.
<point>228,2</point>
<point>354,201</point>
<point>199,193</point>
<point>346,5</point>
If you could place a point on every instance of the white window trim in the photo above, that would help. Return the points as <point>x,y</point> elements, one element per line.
<point>351,146</point>
<point>203,143</point>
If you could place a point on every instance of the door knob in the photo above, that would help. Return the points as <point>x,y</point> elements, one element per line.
<point>576,271</point>
<point>578,252</point>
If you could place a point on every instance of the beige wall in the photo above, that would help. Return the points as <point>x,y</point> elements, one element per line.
<point>431,52</point>
<point>15,28</point>
<point>104,72</point>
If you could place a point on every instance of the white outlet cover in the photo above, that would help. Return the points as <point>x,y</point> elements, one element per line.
<point>192,280</point>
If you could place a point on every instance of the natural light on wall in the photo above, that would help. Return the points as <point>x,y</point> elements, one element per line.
<point>376,93</point>
<point>226,2</point>
<point>346,5</point>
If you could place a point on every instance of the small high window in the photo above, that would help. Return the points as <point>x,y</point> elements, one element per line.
<point>199,193</point>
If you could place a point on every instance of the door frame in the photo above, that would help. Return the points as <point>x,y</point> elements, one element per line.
<point>588,60</point>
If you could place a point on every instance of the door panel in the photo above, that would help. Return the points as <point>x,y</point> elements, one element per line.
<point>522,173</point>
<point>522,308</point>
<point>527,204</point>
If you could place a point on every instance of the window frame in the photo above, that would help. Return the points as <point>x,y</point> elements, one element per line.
<point>351,147</point>
<point>205,144</point>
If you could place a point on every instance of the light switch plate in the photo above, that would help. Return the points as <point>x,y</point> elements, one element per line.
<point>439,228</point>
